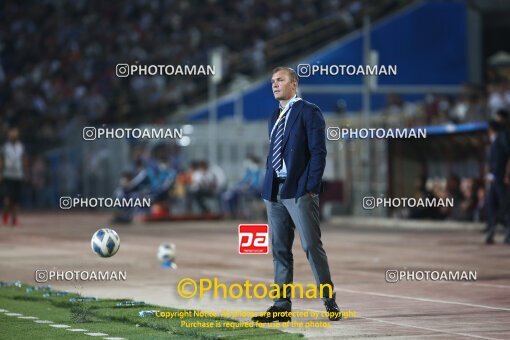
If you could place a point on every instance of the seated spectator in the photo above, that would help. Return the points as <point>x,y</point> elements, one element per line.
<point>480,213</point>
<point>467,201</point>
<point>453,191</point>
<point>131,185</point>
<point>202,186</point>
<point>249,186</point>
<point>161,179</point>
<point>180,190</point>
<point>424,193</point>
<point>218,177</point>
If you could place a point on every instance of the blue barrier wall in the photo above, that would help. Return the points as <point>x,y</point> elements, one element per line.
<point>427,42</point>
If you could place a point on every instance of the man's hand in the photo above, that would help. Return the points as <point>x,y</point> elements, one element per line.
<point>312,194</point>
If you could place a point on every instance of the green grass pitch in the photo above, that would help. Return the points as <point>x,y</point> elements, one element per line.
<point>103,316</point>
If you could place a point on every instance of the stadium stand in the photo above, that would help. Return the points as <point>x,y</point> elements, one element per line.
<point>70,81</point>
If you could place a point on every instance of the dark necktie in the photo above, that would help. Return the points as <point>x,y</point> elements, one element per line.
<point>277,144</point>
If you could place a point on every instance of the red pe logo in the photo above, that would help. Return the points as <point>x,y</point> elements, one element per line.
<point>253,239</point>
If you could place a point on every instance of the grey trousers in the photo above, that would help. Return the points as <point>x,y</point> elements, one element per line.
<point>284,216</point>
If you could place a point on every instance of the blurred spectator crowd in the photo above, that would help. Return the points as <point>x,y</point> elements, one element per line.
<point>475,103</point>
<point>57,58</point>
<point>468,195</point>
<point>475,198</point>
<point>57,74</point>
<point>201,189</point>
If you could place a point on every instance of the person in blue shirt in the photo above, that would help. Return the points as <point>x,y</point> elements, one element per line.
<point>249,186</point>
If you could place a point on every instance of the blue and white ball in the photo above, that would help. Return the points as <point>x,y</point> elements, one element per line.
<point>105,242</point>
<point>166,252</point>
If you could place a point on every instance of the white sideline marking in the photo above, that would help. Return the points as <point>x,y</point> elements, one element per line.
<point>43,321</point>
<point>417,327</point>
<point>427,329</point>
<point>423,299</point>
<point>385,295</point>
<point>432,329</point>
<point>60,326</point>
<point>373,293</point>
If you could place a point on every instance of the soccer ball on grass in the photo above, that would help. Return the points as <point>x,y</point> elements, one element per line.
<point>105,242</point>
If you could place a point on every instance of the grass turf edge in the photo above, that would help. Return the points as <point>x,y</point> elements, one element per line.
<point>104,311</point>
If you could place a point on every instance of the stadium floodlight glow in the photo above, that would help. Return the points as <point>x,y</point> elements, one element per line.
<point>184,141</point>
<point>187,129</point>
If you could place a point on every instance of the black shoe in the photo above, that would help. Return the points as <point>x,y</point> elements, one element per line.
<point>489,241</point>
<point>274,313</point>
<point>334,313</point>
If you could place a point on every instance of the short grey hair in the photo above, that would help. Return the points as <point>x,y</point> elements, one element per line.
<point>292,73</point>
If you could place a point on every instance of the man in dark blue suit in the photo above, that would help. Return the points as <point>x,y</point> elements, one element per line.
<point>293,181</point>
<point>497,198</point>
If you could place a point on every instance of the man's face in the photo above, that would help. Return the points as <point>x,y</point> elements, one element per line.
<point>283,86</point>
<point>12,135</point>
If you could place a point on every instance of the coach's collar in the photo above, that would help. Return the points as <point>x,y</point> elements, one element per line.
<point>290,102</point>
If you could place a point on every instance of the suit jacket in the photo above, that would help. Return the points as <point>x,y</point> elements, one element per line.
<point>304,152</point>
<point>498,157</point>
